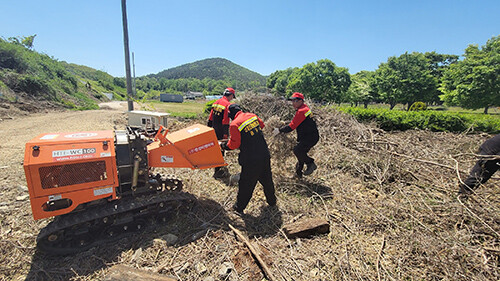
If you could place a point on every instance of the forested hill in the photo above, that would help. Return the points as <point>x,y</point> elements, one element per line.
<point>213,68</point>
<point>32,81</point>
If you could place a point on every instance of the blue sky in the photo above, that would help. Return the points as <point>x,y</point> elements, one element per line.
<point>263,36</point>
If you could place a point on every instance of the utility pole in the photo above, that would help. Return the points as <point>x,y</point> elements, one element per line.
<point>133,75</point>
<point>127,56</point>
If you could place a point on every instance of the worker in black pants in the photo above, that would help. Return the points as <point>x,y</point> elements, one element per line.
<point>484,167</point>
<point>219,120</point>
<point>307,135</point>
<point>245,133</point>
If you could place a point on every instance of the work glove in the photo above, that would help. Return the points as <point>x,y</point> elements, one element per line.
<point>224,146</point>
<point>276,131</point>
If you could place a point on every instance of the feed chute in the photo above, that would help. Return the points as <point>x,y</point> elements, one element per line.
<point>195,147</point>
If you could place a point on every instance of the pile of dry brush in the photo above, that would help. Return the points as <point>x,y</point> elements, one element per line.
<point>390,198</point>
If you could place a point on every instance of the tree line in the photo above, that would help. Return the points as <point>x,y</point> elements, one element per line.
<point>471,83</point>
<point>151,87</point>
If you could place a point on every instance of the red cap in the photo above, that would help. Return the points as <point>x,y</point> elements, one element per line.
<point>296,96</point>
<point>229,91</point>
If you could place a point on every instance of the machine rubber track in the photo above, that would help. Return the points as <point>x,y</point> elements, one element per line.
<point>82,230</point>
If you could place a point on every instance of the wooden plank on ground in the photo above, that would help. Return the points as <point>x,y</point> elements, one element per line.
<point>267,272</point>
<point>306,228</point>
<point>126,273</point>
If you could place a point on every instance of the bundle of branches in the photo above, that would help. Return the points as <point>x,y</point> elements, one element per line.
<point>266,106</point>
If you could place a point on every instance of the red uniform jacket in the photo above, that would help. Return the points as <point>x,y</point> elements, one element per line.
<point>246,134</point>
<point>304,123</point>
<point>218,118</point>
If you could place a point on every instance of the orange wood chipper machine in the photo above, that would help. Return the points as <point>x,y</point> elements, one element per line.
<point>101,184</point>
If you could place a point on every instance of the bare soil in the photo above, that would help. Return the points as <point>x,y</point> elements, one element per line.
<point>390,198</point>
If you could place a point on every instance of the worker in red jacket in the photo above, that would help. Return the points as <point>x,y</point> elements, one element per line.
<point>219,120</point>
<point>307,134</point>
<point>246,134</point>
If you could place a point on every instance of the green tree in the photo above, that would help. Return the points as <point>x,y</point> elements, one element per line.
<point>28,41</point>
<point>438,63</point>
<point>120,82</point>
<point>323,81</point>
<point>474,83</point>
<point>278,81</point>
<point>406,79</point>
<point>361,90</point>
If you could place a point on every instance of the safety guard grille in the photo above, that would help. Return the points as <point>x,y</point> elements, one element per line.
<point>71,174</point>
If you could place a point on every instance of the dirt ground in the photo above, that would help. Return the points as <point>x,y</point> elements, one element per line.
<point>390,200</point>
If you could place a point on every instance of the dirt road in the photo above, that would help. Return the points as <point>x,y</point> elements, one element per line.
<point>117,105</point>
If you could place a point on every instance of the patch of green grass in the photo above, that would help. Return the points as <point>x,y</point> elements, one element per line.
<point>186,109</point>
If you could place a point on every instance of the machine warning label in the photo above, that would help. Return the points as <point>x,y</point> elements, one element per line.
<point>102,191</point>
<point>80,135</point>
<point>201,147</point>
<point>73,154</point>
<point>167,159</point>
<point>193,130</point>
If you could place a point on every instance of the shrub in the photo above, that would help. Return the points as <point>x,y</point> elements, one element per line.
<point>208,106</point>
<point>106,85</point>
<point>10,57</point>
<point>418,106</point>
<point>32,85</point>
<point>426,120</point>
<point>68,104</point>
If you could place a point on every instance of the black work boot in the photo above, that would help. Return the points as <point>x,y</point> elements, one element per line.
<point>310,168</point>
<point>237,210</point>
<point>464,190</point>
<point>298,171</point>
<point>221,172</point>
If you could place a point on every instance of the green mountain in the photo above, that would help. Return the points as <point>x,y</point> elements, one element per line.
<point>213,68</point>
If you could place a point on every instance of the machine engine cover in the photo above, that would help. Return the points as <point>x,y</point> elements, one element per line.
<point>64,170</point>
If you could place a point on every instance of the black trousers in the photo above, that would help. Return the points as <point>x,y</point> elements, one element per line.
<point>300,151</point>
<point>251,172</point>
<point>480,173</point>
<point>220,131</point>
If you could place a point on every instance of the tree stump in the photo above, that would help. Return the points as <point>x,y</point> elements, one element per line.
<point>306,228</point>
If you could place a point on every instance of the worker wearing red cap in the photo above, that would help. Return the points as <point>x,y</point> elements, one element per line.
<point>219,120</point>
<point>255,160</point>
<point>307,134</point>
<point>218,115</point>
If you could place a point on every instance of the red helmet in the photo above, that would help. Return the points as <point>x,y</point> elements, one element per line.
<point>229,91</point>
<point>296,96</point>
